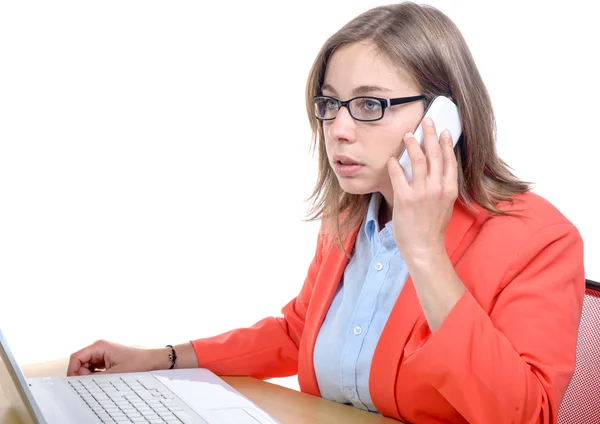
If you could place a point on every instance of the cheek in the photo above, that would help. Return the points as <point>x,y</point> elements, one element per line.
<point>388,141</point>
<point>397,129</point>
<point>328,144</point>
<point>392,143</point>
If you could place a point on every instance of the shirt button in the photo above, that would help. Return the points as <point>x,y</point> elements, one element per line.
<point>350,393</point>
<point>378,266</point>
<point>357,330</point>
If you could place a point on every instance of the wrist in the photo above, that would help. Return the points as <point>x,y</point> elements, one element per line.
<point>426,257</point>
<point>159,359</point>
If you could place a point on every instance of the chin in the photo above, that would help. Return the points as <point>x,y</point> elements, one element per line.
<point>355,186</point>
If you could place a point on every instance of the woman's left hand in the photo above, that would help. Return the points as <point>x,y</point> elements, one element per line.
<point>422,209</point>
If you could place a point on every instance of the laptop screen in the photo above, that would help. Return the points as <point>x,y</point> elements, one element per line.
<point>15,388</point>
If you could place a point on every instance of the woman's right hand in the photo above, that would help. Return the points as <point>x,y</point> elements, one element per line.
<point>111,358</point>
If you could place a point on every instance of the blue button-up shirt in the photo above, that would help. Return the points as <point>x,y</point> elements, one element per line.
<point>360,308</point>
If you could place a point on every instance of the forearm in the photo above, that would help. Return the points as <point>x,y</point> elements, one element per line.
<point>509,359</point>
<point>465,377</point>
<point>264,350</point>
<point>478,370</point>
<point>186,357</point>
<point>436,284</point>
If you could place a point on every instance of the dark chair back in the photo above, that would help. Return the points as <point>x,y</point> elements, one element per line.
<point>581,403</point>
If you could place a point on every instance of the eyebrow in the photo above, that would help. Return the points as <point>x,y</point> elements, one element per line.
<point>363,89</point>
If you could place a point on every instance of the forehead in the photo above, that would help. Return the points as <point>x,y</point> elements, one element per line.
<point>362,64</point>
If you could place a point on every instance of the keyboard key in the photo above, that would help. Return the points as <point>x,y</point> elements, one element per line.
<point>127,392</point>
<point>168,416</point>
<point>144,394</point>
<point>150,383</point>
<point>116,397</point>
<point>149,414</point>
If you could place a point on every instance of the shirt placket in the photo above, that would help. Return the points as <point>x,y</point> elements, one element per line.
<point>361,320</point>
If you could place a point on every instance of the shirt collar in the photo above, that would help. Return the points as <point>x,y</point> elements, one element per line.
<point>372,219</point>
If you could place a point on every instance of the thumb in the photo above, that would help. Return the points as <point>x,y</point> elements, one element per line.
<point>115,369</point>
<point>122,364</point>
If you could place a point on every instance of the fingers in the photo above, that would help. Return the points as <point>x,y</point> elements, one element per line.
<point>115,369</point>
<point>77,360</point>
<point>450,176</point>
<point>399,183</point>
<point>418,162</point>
<point>83,361</point>
<point>83,371</point>
<point>433,150</point>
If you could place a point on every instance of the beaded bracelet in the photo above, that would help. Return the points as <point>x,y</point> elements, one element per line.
<point>172,357</point>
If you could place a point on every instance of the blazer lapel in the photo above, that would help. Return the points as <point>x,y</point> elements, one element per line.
<point>332,269</point>
<point>405,314</point>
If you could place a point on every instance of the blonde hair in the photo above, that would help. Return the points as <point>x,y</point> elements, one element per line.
<point>424,42</point>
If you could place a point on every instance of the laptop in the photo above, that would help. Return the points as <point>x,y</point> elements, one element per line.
<point>182,396</point>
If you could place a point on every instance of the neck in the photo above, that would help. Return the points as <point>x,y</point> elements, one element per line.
<point>386,210</point>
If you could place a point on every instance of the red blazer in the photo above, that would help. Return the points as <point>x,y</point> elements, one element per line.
<point>504,354</point>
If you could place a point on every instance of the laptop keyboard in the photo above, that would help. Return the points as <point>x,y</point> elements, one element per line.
<point>129,399</point>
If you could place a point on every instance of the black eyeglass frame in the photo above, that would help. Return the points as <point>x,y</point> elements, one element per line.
<point>385,103</point>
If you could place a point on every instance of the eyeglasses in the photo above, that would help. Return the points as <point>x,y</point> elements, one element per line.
<point>366,109</point>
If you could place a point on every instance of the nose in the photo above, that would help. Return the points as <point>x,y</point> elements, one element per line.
<point>342,128</point>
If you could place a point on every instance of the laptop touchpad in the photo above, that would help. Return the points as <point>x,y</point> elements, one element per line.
<point>234,415</point>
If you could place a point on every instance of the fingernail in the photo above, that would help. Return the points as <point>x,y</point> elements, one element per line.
<point>446,135</point>
<point>428,122</point>
<point>409,135</point>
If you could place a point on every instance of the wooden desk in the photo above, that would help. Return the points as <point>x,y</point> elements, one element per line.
<point>285,405</point>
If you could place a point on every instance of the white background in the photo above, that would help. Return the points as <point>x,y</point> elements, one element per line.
<point>154,156</point>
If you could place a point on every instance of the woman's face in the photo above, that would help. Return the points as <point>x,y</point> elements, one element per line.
<point>360,70</point>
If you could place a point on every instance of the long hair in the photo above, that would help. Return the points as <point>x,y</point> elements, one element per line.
<point>424,42</point>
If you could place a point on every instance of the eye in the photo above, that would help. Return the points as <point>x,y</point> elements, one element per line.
<point>370,105</point>
<point>331,104</point>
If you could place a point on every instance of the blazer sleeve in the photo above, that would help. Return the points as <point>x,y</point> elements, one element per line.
<point>267,349</point>
<point>513,365</point>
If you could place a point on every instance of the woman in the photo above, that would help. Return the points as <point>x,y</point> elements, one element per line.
<point>453,298</point>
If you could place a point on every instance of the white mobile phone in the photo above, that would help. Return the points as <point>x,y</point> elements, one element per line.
<point>445,115</point>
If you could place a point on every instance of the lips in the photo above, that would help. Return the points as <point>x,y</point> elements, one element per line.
<point>345,166</point>
<point>345,160</point>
